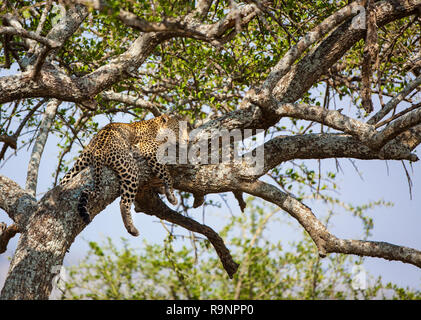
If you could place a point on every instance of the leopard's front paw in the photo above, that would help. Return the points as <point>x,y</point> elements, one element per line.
<point>170,196</point>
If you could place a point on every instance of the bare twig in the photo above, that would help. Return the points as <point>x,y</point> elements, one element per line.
<point>21,126</point>
<point>395,101</point>
<point>382,123</point>
<point>33,166</point>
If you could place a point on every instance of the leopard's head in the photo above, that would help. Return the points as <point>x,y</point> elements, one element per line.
<point>177,124</point>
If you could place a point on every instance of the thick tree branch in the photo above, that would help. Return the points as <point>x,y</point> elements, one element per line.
<point>59,34</point>
<point>364,132</point>
<point>50,81</point>
<point>396,127</point>
<point>189,26</point>
<point>122,66</point>
<point>323,146</point>
<point>410,138</point>
<point>308,70</point>
<point>375,249</point>
<point>331,118</point>
<point>10,20</point>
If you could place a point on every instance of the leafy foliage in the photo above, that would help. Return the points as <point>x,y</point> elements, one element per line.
<point>201,79</point>
<point>194,77</point>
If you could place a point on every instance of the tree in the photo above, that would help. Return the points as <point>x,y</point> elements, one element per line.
<point>225,65</point>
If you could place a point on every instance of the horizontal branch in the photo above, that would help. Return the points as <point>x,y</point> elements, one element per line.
<point>364,132</point>
<point>375,249</point>
<point>122,66</point>
<point>167,25</point>
<point>191,27</point>
<point>331,118</point>
<point>284,65</point>
<point>324,146</point>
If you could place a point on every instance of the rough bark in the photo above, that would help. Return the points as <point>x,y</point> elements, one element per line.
<point>49,226</point>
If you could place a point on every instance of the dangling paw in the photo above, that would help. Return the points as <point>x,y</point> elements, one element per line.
<point>133,231</point>
<point>170,196</point>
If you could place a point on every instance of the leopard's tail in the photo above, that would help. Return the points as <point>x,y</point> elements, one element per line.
<point>82,206</point>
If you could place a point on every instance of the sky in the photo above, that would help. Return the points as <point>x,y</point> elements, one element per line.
<point>398,224</point>
<point>379,180</point>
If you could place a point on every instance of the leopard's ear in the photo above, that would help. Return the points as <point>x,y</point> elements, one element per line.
<point>165,118</point>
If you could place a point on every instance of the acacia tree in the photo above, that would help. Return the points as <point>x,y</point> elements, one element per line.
<point>225,64</point>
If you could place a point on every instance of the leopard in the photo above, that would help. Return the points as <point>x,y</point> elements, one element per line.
<point>119,147</point>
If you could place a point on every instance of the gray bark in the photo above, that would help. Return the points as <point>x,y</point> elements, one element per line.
<point>49,226</point>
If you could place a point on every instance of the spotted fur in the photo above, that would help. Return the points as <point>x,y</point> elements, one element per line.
<point>117,146</point>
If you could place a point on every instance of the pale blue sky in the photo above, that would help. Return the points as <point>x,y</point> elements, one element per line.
<point>398,225</point>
